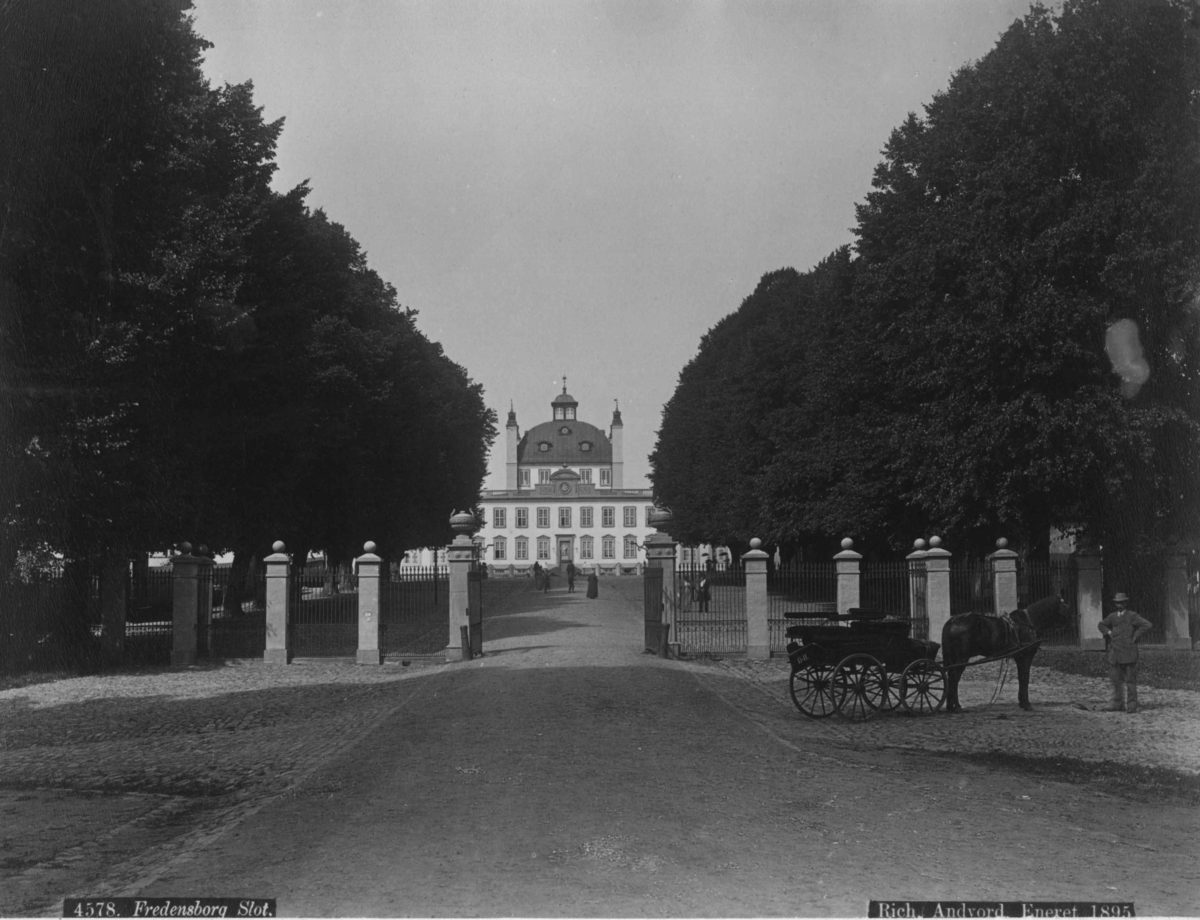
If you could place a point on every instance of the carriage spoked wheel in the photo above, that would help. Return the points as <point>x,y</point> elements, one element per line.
<point>923,687</point>
<point>859,687</point>
<point>812,691</point>
<point>893,691</point>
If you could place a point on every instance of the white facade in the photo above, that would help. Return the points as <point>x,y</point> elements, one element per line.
<point>565,499</point>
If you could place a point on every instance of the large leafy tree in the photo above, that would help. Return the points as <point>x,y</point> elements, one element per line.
<point>187,353</point>
<point>1052,190</point>
<point>954,375</point>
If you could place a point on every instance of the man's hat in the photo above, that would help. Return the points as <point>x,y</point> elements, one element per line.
<point>1119,596</point>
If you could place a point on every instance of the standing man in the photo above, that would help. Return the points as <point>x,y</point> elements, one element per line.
<point>703,594</point>
<point>1121,630</point>
<point>537,575</point>
<point>570,577</point>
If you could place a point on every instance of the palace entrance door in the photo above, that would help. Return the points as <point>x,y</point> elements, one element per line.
<point>564,550</point>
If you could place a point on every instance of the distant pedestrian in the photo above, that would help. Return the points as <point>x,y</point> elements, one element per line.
<point>593,590</point>
<point>703,593</point>
<point>570,577</point>
<point>546,581</point>
<point>1122,629</point>
<point>537,575</point>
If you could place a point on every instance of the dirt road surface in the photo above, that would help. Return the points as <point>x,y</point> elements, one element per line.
<point>566,773</point>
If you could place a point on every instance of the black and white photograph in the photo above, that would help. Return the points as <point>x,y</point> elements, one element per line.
<point>599,458</point>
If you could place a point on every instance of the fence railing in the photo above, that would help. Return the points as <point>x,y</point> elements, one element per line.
<point>414,616</point>
<point>800,587</point>
<point>710,616</point>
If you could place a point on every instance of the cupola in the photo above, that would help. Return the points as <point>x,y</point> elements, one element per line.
<point>563,406</point>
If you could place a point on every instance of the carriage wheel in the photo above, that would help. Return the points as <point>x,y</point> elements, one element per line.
<point>893,692</point>
<point>859,687</point>
<point>812,691</point>
<point>923,687</point>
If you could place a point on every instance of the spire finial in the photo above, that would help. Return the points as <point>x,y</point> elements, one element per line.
<point>564,384</point>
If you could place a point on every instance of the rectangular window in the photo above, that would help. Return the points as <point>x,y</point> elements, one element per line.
<point>608,517</point>
<point>499,518</point>
<point>543,547</point>
<point>522,517</point>
<point>543,476</point>
<point>630,516</point>
<point>585,517</point>
<point>585,548</point>
<point>498,548</point>
<point>609,548</point>
<point>606,477</point>
<point>631,547</point>
<point>585,476</point>
<point>523,479</point>
<point>564,517</point>
<point>543,517</point>
<point>522,548</point>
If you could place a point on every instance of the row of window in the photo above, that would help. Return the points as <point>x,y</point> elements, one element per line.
<point>608,517</point>
<point>587,545</point>
<point>585,476</point>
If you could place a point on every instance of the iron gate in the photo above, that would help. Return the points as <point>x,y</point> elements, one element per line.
<point>414,616</point>
<point>323,619</point>
<point>652,596</point>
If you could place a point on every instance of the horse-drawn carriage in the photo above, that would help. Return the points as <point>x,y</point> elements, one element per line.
<point>864,662</point>
<point>860,663</point>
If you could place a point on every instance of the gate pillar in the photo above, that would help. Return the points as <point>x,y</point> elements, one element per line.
<point>1004,578</point>
<point>114,596</point>
<point>918,592</point>
<point>460,556</point>
<point>368,606</point>
<point>1175,602</point>
<point>185,590</point>
<point>1089,594</point>
<point>937,587</point>
<point>849,591</point>
<point>661,550</point>
<point>278,565</point>
<point>758,631</point>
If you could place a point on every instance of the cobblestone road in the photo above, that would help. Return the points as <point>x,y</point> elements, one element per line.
<point>1067,720</point>
<point>103,779</point>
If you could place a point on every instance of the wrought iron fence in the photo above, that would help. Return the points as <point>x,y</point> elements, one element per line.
<point>1038,578</point>
<point>323,620</point>
<point>241,632</point>
<point>710,614</point>
<point>414,617</point>
<point>799,587</point>
<point>971,586</point>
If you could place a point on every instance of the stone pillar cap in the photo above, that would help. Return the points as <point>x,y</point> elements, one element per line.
<point>935,548</point>
<point>369,553</point>
<point>755,552</point>
<point>848,550</point>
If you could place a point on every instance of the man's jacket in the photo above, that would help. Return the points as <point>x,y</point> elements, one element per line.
<point>1124,628</point>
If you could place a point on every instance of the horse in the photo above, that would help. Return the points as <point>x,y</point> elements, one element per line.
<point>1015,635</point>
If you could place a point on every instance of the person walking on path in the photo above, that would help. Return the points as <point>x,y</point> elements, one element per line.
<point>537,575</point>
<point>702,593</point>
<point>593,590</point>
<point>1122,629</point>
<point>570,577</point>
<point>546,581</point>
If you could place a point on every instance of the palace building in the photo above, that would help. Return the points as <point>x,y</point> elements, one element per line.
<point>565,498</point>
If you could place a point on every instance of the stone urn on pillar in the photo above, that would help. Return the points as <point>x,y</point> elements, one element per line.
<point>460,555</point>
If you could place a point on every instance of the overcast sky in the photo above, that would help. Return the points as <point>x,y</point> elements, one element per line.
<point>585,188</point>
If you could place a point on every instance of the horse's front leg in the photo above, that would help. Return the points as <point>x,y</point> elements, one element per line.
<point>953,675</point>
<point>1023,663</point>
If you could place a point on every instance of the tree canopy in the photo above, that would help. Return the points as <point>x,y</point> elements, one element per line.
<point>187,353</point>
<point>956,378</point>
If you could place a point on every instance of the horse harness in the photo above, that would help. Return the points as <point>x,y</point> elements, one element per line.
<point>1012,631</point>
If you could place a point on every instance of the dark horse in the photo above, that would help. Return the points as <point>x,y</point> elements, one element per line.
<point>970,635</point>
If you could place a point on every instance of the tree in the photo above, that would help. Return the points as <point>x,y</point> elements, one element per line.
<point>952,376</point>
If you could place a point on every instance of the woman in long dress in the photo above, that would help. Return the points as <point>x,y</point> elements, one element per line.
<point>593,585</point>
